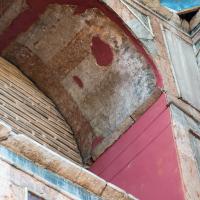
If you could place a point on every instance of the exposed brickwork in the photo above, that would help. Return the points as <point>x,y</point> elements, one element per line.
<point>30,112</point>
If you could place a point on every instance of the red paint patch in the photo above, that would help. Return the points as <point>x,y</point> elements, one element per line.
<point>37,7</point>
<point>97,141</point>
<point>78,81</point>
<point>101,51</point>
<point>145,158</point>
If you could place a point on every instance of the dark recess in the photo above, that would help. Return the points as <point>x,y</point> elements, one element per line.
<point>188,16</point>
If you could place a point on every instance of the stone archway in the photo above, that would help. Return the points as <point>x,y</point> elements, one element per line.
<point>84,58</point>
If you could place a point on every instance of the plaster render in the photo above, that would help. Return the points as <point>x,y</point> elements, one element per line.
<point>96,97</point>
<point>182,58</point>
<point>14,183</point>
<point>9,11</point>
<point>182,125</point>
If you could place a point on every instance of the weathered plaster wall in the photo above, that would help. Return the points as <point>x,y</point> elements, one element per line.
<point>144,161</point>
<point>183,126</point>
<point>96,72</point>
<point>147,24</point>
<point>195,27</point>
<point>64,57</point>
<point>14,184</point>
<point>186,71</point>
<point>9,10</point>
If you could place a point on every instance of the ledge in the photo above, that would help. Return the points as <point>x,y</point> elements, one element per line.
<point>45,159</point>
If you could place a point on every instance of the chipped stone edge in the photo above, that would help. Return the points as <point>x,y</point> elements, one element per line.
<point>182,124</point>
<point>47,159</point>
<point>184,107</point>
<point>127,123</point>
<point>164,14</point>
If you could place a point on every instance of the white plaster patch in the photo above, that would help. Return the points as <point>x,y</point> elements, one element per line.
<point>112,93</point>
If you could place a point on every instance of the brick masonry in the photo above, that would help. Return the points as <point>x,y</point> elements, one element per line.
<point>28,111</point>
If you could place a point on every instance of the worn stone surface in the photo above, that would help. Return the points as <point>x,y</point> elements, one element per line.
<point>185,25</point>
<point>15,185</point>
<point>182,125</point>
<point>4,131</point>
<point>187,78</point>
<point>9,10</point>
<point>89,67</point>
<point>155,6</point>
<point>184,106</point>
<point>107,143</point>
<point>147,104</point>
<point>176,19</point>
<point>137,21</point>
<point>88,180</point>
<point>162,60</point>
<point>28,148</point>
<point>10,191</point>
<point>98,79</point>
<point>195,21</point>
<point>111,192</point>
<point>155,47</point>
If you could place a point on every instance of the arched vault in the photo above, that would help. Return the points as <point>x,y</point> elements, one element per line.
<point>81,55</point>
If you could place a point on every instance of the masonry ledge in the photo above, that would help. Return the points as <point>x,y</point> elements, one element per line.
<point>46,159</point>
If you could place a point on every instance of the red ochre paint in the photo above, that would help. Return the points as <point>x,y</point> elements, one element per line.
<point>78,81</point>
<point>37,7</point>
<point>101,51</point>
<point>144,160</point>
<point>97,141</point>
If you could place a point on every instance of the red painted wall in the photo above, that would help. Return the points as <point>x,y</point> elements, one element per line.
<point>144,160</point>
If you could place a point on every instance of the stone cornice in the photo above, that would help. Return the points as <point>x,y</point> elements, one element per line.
<point>46,159</point>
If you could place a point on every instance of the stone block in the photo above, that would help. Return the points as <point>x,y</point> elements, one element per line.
<point>185,25</point>
<point>39,154</point>
<point>4,131</point>
<point>176,19</point>
<point>112,192</point>
<point>91,182</point>
<point>148,103</point>
<point>182,126</point>
<point>10,191</point>
<point>155,6</point>
<point>195,21</point>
